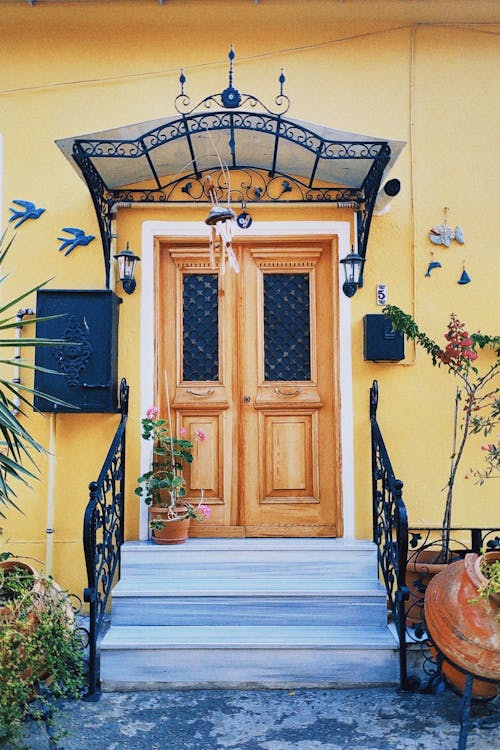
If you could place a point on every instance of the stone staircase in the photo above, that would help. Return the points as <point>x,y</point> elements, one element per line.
<point>248,613</point>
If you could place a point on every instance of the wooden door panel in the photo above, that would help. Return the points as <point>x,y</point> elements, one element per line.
<point>204,473</point>
<point>287,442</point>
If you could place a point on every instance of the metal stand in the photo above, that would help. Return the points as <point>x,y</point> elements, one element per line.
<point>466,700</point>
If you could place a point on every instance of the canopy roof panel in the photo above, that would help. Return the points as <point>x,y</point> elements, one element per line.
<point>230,154</point>
<point>175,148</point>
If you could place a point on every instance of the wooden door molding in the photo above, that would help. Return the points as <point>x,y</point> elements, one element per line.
<point>276,473</point>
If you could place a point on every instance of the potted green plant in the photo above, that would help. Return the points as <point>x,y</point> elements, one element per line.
<point>488,573</point>
<point>163,486</point>
<point>476,409</point>
<point>41,651</point>
<point>476,400</point>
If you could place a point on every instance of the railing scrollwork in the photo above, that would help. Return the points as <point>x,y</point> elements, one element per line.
<point>103,535</point>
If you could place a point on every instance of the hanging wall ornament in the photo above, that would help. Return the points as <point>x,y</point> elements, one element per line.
<point>79,238</point>
<point>442,234</point>
<point>432,265</point>
<point>464,278</point>
<point>244,220</point>
<point>28,210</point>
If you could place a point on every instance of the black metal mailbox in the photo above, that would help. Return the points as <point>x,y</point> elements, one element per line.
<point>381,342</point>
<point>86,368</point>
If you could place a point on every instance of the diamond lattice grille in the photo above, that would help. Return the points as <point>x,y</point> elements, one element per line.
<point>287,333</point>
<point>200,327</point>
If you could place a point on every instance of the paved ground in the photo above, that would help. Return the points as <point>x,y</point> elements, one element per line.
<point>366,719</point>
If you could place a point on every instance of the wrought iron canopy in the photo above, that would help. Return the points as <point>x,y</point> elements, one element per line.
<point>252,155</point>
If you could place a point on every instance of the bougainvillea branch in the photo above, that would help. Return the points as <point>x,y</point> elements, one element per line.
<point>480,410</point>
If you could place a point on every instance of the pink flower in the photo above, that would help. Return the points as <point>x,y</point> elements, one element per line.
<point>182,431</point>
<point>152,412</point>
<point>201,435</point>
<point>205,511</point>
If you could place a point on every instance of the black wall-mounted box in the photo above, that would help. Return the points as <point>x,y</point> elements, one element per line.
<point>381,342</point>
<point>86,368</point>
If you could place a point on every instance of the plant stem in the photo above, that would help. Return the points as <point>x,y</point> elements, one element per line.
<point>455,461</point>
<point>173,493</point>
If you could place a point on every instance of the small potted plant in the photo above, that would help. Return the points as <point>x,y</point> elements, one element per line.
<point>163,486</point>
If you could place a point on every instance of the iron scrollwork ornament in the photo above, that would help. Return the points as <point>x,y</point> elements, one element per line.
<point>73,357</point>
<point>230,97</point>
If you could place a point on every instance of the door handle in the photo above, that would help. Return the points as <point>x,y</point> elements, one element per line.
<point>200,394</point>
<point>246,399</point>
<point>280,392</point>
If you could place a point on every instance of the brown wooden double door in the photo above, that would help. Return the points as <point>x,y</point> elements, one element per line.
<point>250,359</point>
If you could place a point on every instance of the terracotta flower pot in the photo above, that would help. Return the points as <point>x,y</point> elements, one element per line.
<point>463,626</point>
<point>174,532</point>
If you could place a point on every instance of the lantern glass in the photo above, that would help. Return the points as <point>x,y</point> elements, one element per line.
<point>127,262</point>
<point>353,269</point>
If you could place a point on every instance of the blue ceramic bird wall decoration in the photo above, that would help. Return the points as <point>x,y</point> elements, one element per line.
<point>28,210</point>
<point>79,238</point>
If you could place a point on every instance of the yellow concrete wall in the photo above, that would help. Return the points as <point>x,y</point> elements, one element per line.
<point>421,72</point>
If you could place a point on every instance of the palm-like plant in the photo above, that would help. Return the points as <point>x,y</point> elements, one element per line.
<point>17,446</point>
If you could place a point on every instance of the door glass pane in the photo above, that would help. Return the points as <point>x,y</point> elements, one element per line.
<point>200,344</point>
<point>287,330</point>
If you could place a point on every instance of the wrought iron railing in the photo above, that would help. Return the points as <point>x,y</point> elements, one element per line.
<point>103,534</point>
<point>406,554</point>
<point>390,532</point>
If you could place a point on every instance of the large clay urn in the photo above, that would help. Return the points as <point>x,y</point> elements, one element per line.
<point>465,627</point>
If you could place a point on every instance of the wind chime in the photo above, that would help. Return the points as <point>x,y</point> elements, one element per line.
<point>221,219</point>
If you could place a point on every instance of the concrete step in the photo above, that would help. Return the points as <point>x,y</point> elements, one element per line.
<point>356,559</point>
<point>271,582</point>
<point>279,610</point>
<point>136,657</point>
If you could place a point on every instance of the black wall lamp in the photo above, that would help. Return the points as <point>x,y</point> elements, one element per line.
<point>353,269</point>
<point>127,261</point>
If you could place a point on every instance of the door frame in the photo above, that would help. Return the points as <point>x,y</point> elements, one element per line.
<point>173,230</point>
